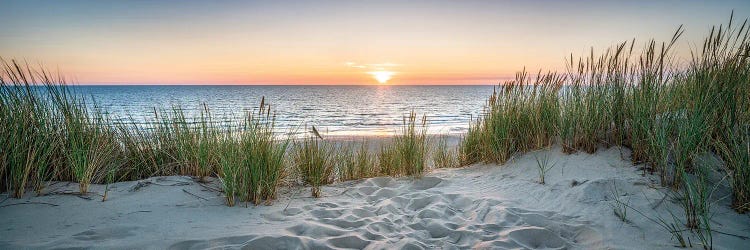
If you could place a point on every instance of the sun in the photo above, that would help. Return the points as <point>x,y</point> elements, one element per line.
<point>382,76</point>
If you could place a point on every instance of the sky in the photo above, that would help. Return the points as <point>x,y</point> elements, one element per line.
<point>334,42</point>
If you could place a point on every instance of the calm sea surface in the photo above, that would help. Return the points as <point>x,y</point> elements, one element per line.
<point>337,110</point>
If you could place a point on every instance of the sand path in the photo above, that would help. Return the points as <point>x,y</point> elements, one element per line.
<point>482,206</point>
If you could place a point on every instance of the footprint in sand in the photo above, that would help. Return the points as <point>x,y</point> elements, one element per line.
<point>412,214</point>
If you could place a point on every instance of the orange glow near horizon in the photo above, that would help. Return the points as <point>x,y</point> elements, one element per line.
<point>331,42</point>
<point>236,71</point>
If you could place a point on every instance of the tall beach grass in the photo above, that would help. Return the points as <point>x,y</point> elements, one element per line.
<point>406,154</point>
<point>314,159</point>
<point>51,134</point>
<point>667,112</point>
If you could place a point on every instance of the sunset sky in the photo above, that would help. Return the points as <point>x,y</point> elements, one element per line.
<point>333,42</point>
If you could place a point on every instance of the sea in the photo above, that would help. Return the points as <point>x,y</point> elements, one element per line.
<point>332,109</point>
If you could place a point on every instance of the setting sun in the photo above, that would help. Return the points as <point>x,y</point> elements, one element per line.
<point>382,76</point>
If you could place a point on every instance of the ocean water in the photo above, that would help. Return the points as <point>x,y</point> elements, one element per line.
<point>335,110</point>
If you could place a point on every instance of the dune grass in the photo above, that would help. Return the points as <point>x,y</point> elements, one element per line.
<point>387,158</point>
<point>90,148</point>
<point>736,154</point>
<point>314,159</point>
<point>406,154</point>
<point>411,146</point>
<point>231,161</point>
<point>443,157</point>
<point>28,142</point>
<point>251,159</point>
<point>521,115</point>
<point>355,163</point>
<point>51,134</point>
<point>668,113</point>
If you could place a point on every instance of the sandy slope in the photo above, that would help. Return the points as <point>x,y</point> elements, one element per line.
<point>483,206</point>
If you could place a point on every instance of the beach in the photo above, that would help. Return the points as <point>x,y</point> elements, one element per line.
<point>479,206</point>
<point>374,125</point>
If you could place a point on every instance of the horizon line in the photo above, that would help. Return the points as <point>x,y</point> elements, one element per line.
<point>277,84</point>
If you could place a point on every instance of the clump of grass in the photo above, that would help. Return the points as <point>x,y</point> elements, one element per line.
<point>406,154</point>
<point>411,146</point>
<point>442,157</point>
<point>195,142</point>
<point>646,100</point>
<point>314,160</point>
<point>265,159</point>
<point>658,148</point>
<point>470,148</point>
<point>520,116</point>
<point>353,164</point>
<point>250,158</point>
<point>585,116</point>
<point>736,154</point>
<point>147,149</point>
<point>388,162</point>
<point>365,162</point>
<point>231,160</point>
<point>346,164</point>
<point>91,145</point>
<point>29,142</point>
<point>544,165</point>
<point>688,143</point>
<point>695,201</point>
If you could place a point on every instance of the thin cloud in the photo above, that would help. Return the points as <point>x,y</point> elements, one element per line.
<point>376,66</point>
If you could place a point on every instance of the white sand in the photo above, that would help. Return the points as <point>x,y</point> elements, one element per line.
<point>483,206</point>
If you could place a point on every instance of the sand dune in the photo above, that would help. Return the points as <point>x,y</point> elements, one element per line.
<point>481,206</point>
